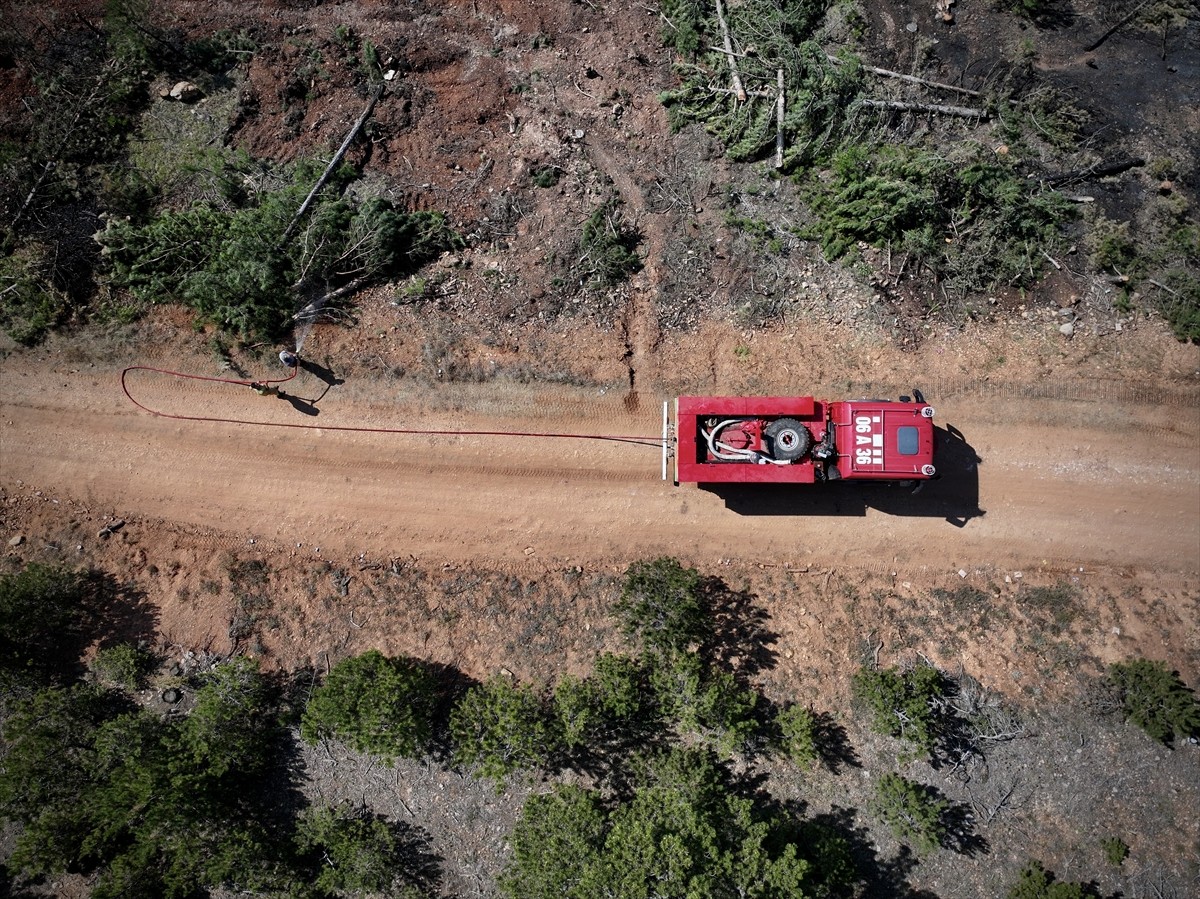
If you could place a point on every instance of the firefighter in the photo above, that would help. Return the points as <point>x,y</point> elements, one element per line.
<point>264,389</point>
<point>289,359</point>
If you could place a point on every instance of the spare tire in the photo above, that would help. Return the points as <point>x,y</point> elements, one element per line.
<point>789,439</point>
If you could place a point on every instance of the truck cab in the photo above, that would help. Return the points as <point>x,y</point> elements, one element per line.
<point>882,440</point>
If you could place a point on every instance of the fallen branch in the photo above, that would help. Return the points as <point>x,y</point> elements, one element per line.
<point>769,95</point>
<point>912,79</point>
<point>376,93</point>
<point>965,112</point>
<point>738,88</point>
<point>318,304</point>
<point>1099,170</point>
<point>1162,286</point>
<point>1129,17</point>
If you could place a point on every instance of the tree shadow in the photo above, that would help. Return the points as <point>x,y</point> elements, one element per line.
<point>833,744</point>
<point>452,684</point>
<point>117,612</point>
<point>953,495</point>
<point>878,876</point>
<point>738,640</point>
<point>960,835</point>
<point>1054,15</point>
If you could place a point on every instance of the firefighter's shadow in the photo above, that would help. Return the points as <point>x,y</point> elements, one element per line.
<point>308,405</point>
<point>953,495</point>
<point>321,372</point>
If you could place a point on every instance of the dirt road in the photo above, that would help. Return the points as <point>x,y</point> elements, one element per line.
<point>1074,474</point>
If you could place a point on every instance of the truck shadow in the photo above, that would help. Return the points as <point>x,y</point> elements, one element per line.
<point>953,495</point>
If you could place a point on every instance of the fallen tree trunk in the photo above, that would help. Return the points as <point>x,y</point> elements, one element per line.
<point>1099,170</point>
<point>376,93</point>
<point>912,79</point>
<point>779,121</point>
<point>738,88</point>
<point>965,112</point>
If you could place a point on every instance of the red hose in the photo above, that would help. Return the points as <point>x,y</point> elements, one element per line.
<point>616,438</point>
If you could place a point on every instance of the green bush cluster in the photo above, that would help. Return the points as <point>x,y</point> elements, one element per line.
<point>374,703</point>
<point>798,730</point>
<point>818,91</point>
<point>500,727</point>
<point>684,832</point>
<point>124,665</point>
<point>662,604</point>
<point>227,262</point>
<point>354,853</point>
<point>1035,882</point>
<point>1115,850</point>
<point>149,806</point>
<point>903,704</point>
<point>609,245</point>
<point>1155,699</point>
<point>40,615</point>
<point>915,812</point>
<point>590,710</point>
<point>184,805</point>
<point>32,303</point>
<point>978,224</point>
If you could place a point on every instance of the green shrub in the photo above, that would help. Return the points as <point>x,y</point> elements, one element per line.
<point>818,91</point>
<point>976,224</point>
<point>145,805</point>
<point>904,704</point>
<point>373,703</point>
<point>230,733</point>
<point>682,832</point>
<point>1155,699</point>
<point>557,842</point>
<point>124,665</point>
<point>798,730</point>
<point>499,727</point>
<point>30,304</point>
<point>914,811</point>
<point>228,264</point>
<point>1116,850</point>
<point>1182,305</point>
<point>1035,882</point>
<point>704,701</point>
<point>546,175</point>
<point>609,245</point>
<point>355,852</point>
<point>663,604</point>
<point>1114,251</point>
<point>575,707</point>
<point>40,615</point>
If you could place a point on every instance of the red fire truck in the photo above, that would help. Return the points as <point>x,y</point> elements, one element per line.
<point>799,440</point>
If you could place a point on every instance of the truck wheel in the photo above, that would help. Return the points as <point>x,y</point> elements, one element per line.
<point>789,439</point>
